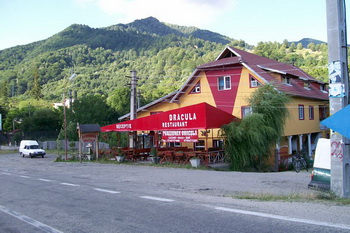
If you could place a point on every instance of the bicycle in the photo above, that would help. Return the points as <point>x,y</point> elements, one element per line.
<point>299,162</point>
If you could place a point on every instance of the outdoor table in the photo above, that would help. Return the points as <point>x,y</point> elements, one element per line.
<point>166,156</point>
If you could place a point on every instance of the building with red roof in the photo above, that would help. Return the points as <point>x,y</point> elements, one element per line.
<point>228,81</point>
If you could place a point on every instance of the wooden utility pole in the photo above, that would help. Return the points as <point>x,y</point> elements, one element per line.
<point>338,93</point>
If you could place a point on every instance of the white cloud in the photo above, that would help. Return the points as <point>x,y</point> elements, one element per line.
<point>182,12</point>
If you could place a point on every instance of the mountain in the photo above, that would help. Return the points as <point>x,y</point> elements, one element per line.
<point>306,41</point>
<point>164,54</point>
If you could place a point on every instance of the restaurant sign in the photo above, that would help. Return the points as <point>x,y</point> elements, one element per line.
<point>180,136</point>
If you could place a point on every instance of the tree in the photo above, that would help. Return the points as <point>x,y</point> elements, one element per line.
<point>249,142</point>
<point>300,46</point>
<point>36,88</point>
<point>88,109</point>
<point>120,100</point>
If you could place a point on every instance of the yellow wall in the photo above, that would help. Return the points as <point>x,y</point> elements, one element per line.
<point>243,92</point>
<point>294,126</point>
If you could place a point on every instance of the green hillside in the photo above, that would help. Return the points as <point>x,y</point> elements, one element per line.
<point>164,55</point>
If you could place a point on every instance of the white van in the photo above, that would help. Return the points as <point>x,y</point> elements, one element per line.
<point>31,148</point>
<point>321,173</point>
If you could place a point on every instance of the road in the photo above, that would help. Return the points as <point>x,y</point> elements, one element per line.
<point>39,195</point>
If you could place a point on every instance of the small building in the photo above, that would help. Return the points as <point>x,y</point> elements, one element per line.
<point>88,136</point>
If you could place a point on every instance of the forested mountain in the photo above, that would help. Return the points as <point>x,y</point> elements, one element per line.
<point>163,55</point>
<point>306,41</point>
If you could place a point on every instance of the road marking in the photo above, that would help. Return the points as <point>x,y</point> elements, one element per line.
<point>6,173</point>
<point>279,217</point>
<point>157,198</point>
<point>26,177</point>
<point>30,221</point>
<point>69,184</point>
<point>106,191</point>
<point>46,180</point>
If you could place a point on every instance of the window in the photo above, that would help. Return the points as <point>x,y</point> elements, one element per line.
<point>323,87</point>
<point>246,110</point>
<point>196,88</point>
<point>218,144</point>
<point>253,82</point>
<point>311,112</point>
<point>224,83</point>
<point>173,144</point>
<point>307,85</point>
<point>200,145</point>
<point>286,80</point>
<point>301,112</point>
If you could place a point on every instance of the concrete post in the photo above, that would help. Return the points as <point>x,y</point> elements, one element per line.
<point>338,93</point>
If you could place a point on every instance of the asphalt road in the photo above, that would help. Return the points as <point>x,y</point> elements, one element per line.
<point>39,195</point>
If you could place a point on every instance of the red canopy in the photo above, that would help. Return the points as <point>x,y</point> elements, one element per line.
<point>198,116</point>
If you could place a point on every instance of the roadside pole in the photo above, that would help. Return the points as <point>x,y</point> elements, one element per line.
<point>338,93</point>
<point>133,106</point>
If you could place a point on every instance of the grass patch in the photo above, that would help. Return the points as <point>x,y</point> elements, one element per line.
<point>61,158</point>
<point>328,197</point>
<point>2,152</point>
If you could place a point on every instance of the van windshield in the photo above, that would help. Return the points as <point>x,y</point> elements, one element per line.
<point>34,147</point>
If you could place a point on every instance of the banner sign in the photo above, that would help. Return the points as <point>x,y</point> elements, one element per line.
<point>193,117</point>
<point>180,136</point>
<point>88,137</point>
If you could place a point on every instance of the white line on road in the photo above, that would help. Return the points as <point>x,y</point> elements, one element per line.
<point>69,184</point>
<point>6,173</point>
<point>298,220</point>
<point>46,180</point>
<point>26,177</point>
<point>106,191</point>
<point>30,221</point>
<point>157,198</point>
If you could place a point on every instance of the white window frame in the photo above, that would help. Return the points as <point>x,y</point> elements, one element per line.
<point>311,112</point>
<point>253,82</point>
<point>301,112</point>
<point>196,88</point>
<point>226,83</point>
<point>286,80</point>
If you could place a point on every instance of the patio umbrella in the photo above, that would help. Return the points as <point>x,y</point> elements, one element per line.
<point>339,122</point>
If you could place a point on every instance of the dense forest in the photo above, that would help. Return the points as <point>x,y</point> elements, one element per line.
<point>163,55</point>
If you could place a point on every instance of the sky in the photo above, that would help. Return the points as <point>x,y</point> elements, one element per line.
<point>27,21</point>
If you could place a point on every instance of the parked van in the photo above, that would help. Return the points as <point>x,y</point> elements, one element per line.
<point>30,148</point>
<point>321,174</point>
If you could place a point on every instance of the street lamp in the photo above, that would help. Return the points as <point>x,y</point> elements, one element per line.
<point>65,115</point>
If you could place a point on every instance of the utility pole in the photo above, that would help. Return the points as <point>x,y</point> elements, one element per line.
<point>133,105</point>
<point>338,93</point>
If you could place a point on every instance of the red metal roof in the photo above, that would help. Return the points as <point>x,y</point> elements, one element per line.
<point>263,67</point>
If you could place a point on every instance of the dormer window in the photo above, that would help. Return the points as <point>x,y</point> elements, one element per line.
<point>323,87</point>
<point>196,88</point>
<point>307,85</point>
<point>286,80</point>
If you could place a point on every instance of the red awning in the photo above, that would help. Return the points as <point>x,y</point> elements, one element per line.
<point>198,116</point>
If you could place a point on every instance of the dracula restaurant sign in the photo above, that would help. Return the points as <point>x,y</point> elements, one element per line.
<point>180,136</point>
<point>179,120</point>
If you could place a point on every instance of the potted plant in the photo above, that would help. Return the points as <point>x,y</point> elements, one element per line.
<point>120,157</point>
<point>154,155</point>
<point>195,162</point>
